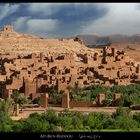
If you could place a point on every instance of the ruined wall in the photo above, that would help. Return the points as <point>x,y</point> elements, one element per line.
<point>30,89</point>
<point>44,100</point>
<point>65,100</point>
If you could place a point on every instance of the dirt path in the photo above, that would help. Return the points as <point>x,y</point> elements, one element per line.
<point>26,112</point>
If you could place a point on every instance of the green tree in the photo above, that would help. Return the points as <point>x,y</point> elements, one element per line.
<point>124,119</point>
<point>15,95</point>
<point>94,121</point>
<point>106,102</point>
<point>18,126</point>
<point>136,117</point>
<point>126,123</point>
<point>21,101</point>
<point>7,107</point>
<point>36,100</point>
<point>6,110</point>
<point>77,123</point>
<point>50,116</point>
<point>65,122</point>
<point>35,125</point>
<point>121,111</point>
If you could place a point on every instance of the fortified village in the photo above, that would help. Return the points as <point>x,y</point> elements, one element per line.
<point>35,66</point>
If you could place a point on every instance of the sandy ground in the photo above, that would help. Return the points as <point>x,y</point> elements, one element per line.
<point>133,50</point>
<point>26,112</point>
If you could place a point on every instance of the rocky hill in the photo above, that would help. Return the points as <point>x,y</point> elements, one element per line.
<point>13,42</point>
<point>118,38</point>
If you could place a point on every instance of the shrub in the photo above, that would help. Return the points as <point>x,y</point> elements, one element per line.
<point>36,100</point>
<point>106,102</point>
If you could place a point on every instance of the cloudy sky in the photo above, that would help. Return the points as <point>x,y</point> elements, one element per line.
<point>69,19</point>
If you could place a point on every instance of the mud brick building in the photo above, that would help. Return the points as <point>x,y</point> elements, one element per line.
<point>44,71</point>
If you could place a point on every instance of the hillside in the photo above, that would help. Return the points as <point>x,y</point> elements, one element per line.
<point>130,44</point>
<point>13,42</point>
<point>118,38</point>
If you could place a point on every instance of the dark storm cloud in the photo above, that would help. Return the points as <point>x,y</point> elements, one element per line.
<point>6,11</point>
<point>72,17</point>
<point>68,19</point>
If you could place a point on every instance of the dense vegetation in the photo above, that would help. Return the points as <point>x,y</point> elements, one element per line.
<point>130,94</point>
<point>121,120</point>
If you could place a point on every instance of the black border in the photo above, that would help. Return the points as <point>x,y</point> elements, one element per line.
<point>73,136</point>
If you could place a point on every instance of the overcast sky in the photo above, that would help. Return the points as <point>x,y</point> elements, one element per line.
<point>70,19</point>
